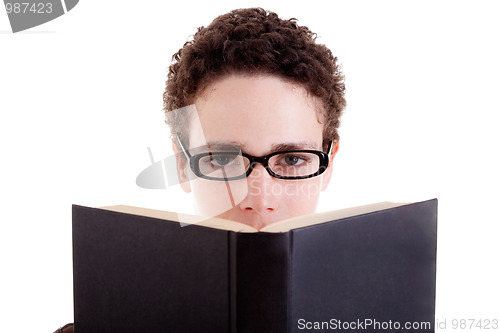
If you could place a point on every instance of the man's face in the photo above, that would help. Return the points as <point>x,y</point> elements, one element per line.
<point>258,114</point>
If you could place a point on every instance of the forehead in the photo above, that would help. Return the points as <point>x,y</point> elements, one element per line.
<point>257,112</point>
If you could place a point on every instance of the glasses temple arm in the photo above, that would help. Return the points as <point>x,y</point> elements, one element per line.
<point>184,150</point>
<point>329,147</point>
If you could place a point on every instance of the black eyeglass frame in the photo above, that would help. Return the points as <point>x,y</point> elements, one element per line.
<point>264,160</point>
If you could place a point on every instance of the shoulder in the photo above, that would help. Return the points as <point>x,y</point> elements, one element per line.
<point>65,329</point>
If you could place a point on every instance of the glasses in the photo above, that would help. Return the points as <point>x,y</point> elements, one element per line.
<point>232,165</point>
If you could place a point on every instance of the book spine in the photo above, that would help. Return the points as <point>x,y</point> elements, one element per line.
<point>259,282</point>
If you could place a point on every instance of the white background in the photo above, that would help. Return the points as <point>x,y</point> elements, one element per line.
<point>81,100</point>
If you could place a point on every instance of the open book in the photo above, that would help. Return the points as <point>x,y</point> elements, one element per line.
<point>138,270</point>
<point>281,226</point>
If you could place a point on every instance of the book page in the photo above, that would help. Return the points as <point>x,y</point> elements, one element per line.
<point>282,226</point>
<point>183,219</point>
<point>317,218</point>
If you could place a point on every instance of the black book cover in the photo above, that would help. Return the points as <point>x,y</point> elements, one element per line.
<point>137,274</point>
<point>141,274</point>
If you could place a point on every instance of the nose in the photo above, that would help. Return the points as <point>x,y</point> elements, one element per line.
<point>262,197</point>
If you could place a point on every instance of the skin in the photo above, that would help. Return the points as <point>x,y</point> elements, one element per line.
<point>258,113</point>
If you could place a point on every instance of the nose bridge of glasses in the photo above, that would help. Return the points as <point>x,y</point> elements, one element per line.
<point>254,161</point>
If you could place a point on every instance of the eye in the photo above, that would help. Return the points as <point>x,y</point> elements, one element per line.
<point>292,160</point>
<point>221,160</point>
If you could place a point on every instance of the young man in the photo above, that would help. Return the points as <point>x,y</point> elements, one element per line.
<point>253,104</point>
<point>267,101</point>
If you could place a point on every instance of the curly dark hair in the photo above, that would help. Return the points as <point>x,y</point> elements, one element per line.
<point>255,41</point>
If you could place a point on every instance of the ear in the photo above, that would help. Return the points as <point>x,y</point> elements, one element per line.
<point>182,172</point>
<point>328,173</point>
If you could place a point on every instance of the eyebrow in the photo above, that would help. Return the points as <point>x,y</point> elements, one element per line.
<point>220,145</point>
<point>277,147</point>
<point>294,146</point>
